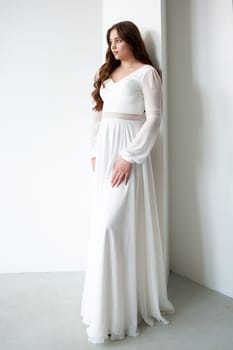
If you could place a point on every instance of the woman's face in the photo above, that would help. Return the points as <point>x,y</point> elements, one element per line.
<point>119,47</point>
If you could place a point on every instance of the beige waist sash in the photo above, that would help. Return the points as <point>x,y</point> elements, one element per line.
<point>123,115</point>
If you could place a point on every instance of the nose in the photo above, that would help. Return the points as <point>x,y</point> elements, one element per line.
<point>113,45</point>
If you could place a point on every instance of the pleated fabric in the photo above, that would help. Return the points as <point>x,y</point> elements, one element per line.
<point>125,280</point>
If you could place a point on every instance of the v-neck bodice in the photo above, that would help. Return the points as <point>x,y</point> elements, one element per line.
<point>126,94</point>
<point>129,74</point>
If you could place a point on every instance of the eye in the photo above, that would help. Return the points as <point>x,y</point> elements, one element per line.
<point>119,40</point>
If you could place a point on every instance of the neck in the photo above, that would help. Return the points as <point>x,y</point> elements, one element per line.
<point>129,63</point>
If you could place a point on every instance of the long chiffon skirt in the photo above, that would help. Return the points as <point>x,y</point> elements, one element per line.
<point>125,280</point>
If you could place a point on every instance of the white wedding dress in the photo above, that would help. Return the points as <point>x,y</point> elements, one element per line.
<point>125,280</point>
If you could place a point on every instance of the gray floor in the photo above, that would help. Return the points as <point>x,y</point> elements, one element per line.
<point>41,311</point>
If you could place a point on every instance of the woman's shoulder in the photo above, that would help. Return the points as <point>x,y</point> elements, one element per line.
<point>147,71</point>
<point>149,68</point>
<point>150,77</point>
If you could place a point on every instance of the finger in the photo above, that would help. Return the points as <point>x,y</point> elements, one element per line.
<point>119,181</point>
<point>114,177</point>
<point>115,181</point>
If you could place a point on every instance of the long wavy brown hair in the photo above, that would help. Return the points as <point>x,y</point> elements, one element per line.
<point>130,33</point>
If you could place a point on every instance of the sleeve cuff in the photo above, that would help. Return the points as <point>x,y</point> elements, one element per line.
<point>127,157</point>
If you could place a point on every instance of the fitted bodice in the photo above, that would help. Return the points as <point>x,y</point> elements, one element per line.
<point>125,95</point>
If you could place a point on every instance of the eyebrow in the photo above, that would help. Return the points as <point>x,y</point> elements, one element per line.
<point>117,37</point>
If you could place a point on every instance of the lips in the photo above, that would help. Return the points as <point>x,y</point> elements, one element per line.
<point>115,52</point>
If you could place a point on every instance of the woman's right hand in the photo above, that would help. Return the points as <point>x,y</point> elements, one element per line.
<point>93,163</point>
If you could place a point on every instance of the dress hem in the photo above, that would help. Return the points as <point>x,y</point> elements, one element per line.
<point>130,333</point>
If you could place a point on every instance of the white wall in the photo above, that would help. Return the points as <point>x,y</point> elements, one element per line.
<point>48,55</point>
<point>200,105</point>
<point>147,16</point>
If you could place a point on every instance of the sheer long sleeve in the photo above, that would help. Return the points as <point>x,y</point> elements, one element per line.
<point>142,144</point>
<point>94,129</point>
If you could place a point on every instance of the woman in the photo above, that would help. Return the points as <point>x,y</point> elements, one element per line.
<point>125,280</point>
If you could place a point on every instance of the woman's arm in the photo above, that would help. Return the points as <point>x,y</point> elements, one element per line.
<point>94,129</point>
<point>140,147</point>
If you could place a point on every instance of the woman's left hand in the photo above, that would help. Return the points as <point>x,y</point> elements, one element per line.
<point>121,172</point>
